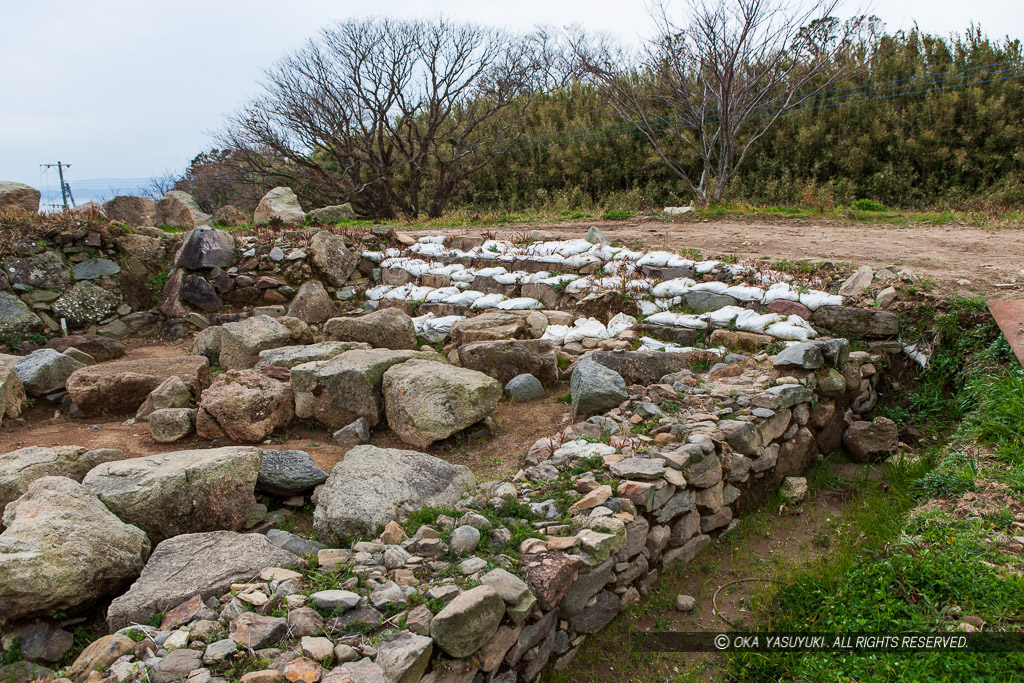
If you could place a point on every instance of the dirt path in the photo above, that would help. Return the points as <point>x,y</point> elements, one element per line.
<point>984,256</point>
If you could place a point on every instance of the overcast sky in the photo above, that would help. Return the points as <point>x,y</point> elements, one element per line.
<point>128,88</point>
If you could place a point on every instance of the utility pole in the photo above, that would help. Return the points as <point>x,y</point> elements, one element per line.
<point>65,189</point>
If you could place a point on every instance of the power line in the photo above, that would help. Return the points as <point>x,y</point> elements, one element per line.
<point>65,188</point>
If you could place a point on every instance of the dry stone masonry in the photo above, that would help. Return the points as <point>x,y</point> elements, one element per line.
<point>698,388</point>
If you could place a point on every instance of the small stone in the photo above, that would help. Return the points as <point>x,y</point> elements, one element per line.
<point>219,651</point>
<point>464,540</point>
<point>303,670</point>
<point>685,603</point>
<point>334,599</point>
<point>794,490</point>
<point>317,648</point>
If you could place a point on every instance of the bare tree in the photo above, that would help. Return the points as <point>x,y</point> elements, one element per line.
<point>157,186</point>
<point>384,113</point>
<point>716,84</point>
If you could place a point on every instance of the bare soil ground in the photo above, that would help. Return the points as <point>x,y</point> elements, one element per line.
<point>494,457</point>
<point>986,257</point>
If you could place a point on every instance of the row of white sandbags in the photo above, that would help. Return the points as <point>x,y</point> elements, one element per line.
<point>788,328</point>
<point>615,278</point>
<point>451,295</point>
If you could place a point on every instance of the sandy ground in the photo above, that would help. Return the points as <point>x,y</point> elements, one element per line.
<point>986,257</point>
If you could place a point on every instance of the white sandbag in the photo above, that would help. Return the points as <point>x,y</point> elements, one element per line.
<point>787,331</point>
<point>419,293</point>
<point>580,261</point>
<point>548,258</point>
<point>429,249</point>
<point>649,307</point>
<point>431,239</point>
<point>628,255</point>
<point>586,328</point>
<point>375,256</point>
<point>573,247</point>
<point>745,293</point>
<point>672,319</point>
<point>752,321</point>
<point>513,278</point>
<point>724,316</point>
<point>442,294</point>
<point>676,287</point>
<point>494,247</point>
<point>580,285</point>
<point>488,301</point>
<point>781,291</point>
<point>465,275</point>
<point>464,298</point>
<point>713,287</point>
<point>491,271</point>
<point>619,323</point>
<point>400,293</point>
<point>705,267</point>
<point>520,303</point>
<point>377,293</point>
<point>679,262</point>
<point>555,333</point>
<point>815,299</point>
<point>656,259</point>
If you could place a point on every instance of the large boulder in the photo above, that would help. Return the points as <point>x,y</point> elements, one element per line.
<point>205,564</point>
<point>641,367</point>
<point>230,216</point>
<point>856,323</point>
<point>100,348</point>
<point>122,386</point>
<point>334,213</point>
<point>242,341</point>
<point>40,271</point>
<point>373,486</point>
<point>867,441</point>
<point>20,468</point>
<point>468,621</point>
<point>142,253</point>
<point>95,268</point>
<point>18,197</point>
<point>245,406</point>
<point>131,210</point>
<point>13,400</point>
<point>507,358</point>
<point>312,303</point>
<point>85,304</point>
<point>206,248</point>
<point>595,388</point>
<point>388,328</point>
<point>63,550</point>
<point>287,473</point>
<point>180,210</point>
<point>17,320</point>
<point>290,356</point>
<point>45,371</point>
<point>181,492</point>
<point>331,258</point>
<point>428,401</point>
<point>489,326</point>
<point>281,204</point>
<point>347,387</point>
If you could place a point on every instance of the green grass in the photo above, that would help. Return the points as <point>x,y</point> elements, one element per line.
<point>924,567</point>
